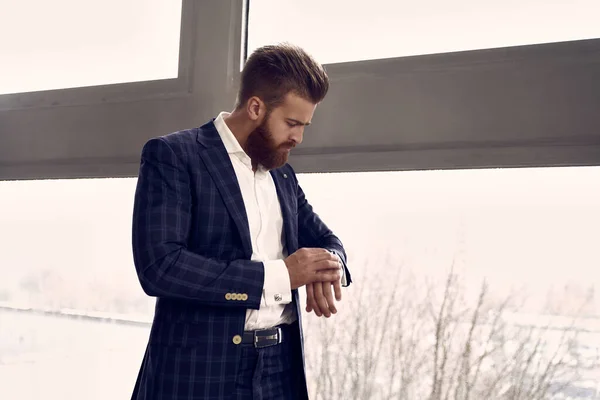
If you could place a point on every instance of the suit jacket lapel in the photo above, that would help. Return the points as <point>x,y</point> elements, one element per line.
<point>219,166</point>
<point>285,193</point>
<point>290,224</point>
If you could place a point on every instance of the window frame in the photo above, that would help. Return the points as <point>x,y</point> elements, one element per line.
<point>536,107</point>
<point>88,131</point>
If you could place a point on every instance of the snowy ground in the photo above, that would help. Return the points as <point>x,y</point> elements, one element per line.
<point>44,357</point>
<point>62,358</point>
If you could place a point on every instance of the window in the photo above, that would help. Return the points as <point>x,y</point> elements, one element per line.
<point>532,233</point>
<point>69,295</point>
<point>69,43</point>
<point>424,248</point>
<point>338,31</point>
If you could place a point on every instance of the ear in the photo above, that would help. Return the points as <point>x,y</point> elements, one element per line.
<point>255,108</point>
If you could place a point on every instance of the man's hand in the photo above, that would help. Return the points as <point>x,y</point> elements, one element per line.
<point>309,265</point>
<point>320,299</point>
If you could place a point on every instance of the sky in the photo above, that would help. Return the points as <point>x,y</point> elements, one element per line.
<point>71,43</point>
<point>341,30</point>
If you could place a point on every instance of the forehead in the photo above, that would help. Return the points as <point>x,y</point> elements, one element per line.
<point>296,107</point>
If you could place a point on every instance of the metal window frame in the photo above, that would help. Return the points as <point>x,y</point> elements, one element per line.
<point>522,106</point>
<point>98,131</point>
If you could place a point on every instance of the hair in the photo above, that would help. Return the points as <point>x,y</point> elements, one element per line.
<point>273,71</point>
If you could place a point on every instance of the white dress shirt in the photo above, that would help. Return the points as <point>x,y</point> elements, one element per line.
<point>266,233</point>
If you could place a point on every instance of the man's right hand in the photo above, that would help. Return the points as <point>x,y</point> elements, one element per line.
<point>309,265</point>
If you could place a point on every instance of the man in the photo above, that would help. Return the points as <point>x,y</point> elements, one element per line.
<point>224,237</point>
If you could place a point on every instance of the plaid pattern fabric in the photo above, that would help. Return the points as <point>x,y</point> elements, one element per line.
<point>191,248</point>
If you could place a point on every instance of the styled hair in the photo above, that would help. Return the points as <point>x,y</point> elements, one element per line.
<point>273,71</point>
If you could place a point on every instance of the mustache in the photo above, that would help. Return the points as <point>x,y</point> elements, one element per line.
<point>289,145</point>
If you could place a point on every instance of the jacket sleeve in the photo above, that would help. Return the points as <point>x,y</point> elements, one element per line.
<point>312,232</point>
<point>161,222</point>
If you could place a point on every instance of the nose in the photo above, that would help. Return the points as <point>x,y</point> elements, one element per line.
<point>297,136</point>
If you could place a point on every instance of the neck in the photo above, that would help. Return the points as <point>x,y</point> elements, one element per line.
<point>240,126</point>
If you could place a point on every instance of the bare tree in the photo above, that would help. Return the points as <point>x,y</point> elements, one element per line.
<point>426,340</point>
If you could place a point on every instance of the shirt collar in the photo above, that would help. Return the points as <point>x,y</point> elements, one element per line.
<point>229,140</point>
<point>231,143</point>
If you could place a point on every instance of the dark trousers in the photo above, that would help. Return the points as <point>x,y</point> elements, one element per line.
<point>273,372</point>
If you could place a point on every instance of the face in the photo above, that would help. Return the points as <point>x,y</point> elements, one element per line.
<point>281,130</point>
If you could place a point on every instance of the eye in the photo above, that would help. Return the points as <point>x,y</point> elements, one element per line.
<point>292,125</point>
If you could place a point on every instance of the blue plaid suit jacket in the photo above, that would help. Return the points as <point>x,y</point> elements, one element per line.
<point>192,246</point>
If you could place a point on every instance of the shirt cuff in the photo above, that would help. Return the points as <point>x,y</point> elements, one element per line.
<point>343,280</point>
<point>277,287</point>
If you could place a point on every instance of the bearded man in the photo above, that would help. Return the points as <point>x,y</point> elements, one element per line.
<point>224,237</point>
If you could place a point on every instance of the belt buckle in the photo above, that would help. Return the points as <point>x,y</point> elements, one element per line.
<point>271,340</point>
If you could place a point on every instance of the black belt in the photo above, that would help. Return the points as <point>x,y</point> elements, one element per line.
<point>266,337</point>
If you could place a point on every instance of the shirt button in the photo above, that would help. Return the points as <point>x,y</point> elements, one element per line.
<point>278,297</point>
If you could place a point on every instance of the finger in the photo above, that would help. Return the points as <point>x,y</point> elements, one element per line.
<point>323,260</point>
<point>315,303</point>
<point>327,288</point>
<point>326,264</point>
<point>321,300</point>
<point>337,288</point>
<point>314,251</point>
<point>317,254</point>
<point>328,276</point>
<point>310,297</point>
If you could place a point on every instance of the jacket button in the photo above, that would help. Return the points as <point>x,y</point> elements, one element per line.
<point>237,339</point>
<point>244,297</point>
<point>228,296</point>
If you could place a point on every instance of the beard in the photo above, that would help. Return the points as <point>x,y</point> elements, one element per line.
<point>263,150</point>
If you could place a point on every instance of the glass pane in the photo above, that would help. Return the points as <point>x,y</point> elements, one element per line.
<point>71,43</point>
<point>413,240</point>
<point>421,244</point>
<point>65,252</point>
<point>338,30</point>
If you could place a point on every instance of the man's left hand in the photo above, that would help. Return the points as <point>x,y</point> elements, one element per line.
<point>319,297</point>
